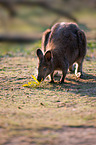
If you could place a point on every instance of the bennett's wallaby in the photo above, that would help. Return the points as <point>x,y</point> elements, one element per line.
<point>65,44</point>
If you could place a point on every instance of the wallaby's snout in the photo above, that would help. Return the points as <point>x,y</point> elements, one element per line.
<point>39,78</point>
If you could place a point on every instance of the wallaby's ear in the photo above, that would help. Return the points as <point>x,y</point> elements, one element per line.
<point>48,55</point>
<point>39,54</point>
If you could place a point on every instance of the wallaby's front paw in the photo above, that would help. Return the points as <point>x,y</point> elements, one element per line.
<point>82,76</point>
<point>61,82</point>
<point>51,81</point>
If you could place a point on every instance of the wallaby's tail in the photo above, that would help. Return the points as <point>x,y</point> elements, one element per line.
<point>81,43</point>
<point>45,38</point>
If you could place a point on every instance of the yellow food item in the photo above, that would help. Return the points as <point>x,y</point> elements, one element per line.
<point>32,83</point>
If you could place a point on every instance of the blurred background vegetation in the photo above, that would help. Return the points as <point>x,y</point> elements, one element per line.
<point>22,22</point>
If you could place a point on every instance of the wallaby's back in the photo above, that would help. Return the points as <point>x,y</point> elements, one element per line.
<point>67,40</point>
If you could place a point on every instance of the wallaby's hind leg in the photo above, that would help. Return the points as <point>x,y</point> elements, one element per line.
<point>82,51</point>
<point>78,69</point>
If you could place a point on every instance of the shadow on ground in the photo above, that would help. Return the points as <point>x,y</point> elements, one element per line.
<point>85,86</point>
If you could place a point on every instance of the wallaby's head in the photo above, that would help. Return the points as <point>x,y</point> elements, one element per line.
<point>45,66</point>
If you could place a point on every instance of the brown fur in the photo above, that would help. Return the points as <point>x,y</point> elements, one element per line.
<point>65,44</point>
<point>45,39</point>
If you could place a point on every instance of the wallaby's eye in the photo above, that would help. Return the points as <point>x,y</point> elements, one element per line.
<point>44,69</point>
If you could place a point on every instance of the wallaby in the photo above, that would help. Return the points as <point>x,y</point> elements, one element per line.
<point>64,44</point>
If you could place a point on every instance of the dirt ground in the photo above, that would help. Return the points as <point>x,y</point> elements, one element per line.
<point>83,135</point>
<point>51,114</point>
